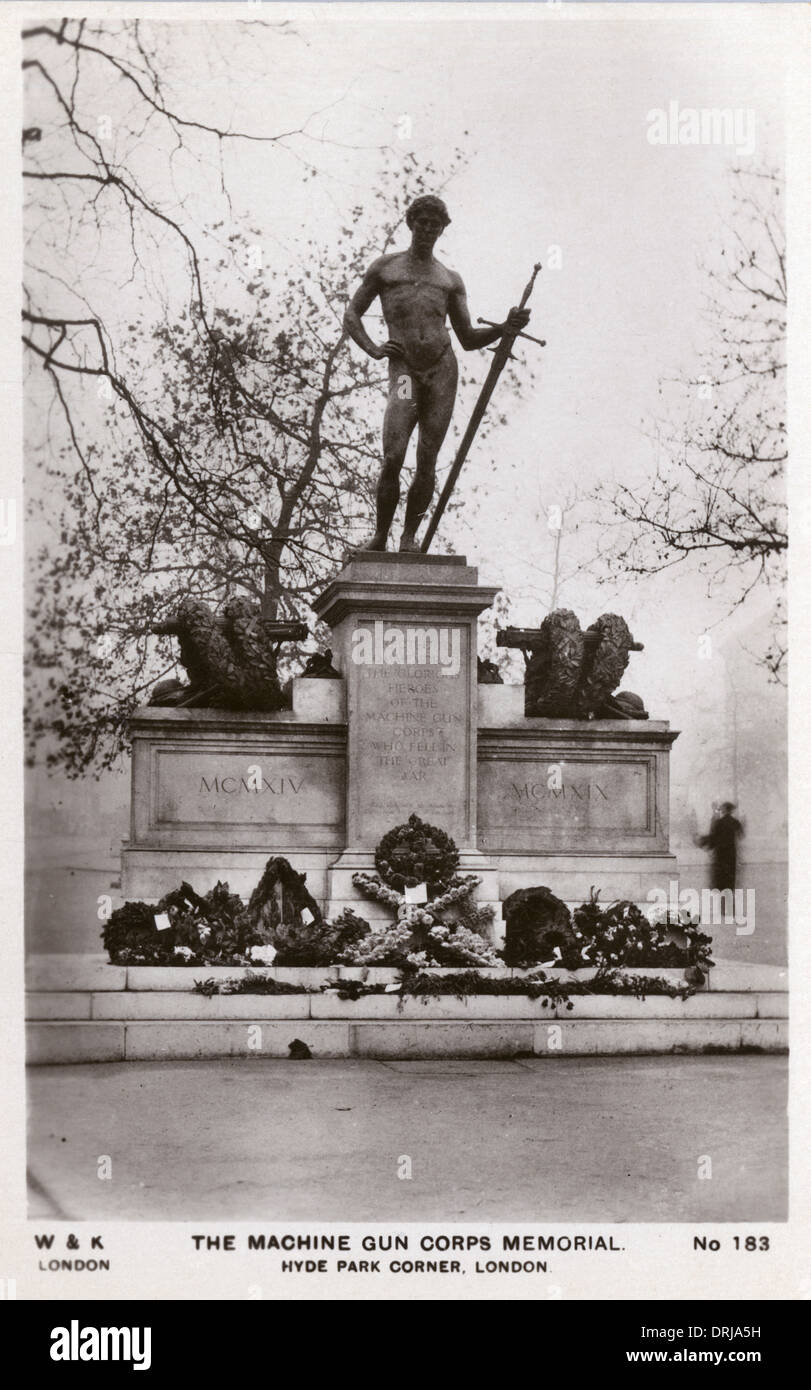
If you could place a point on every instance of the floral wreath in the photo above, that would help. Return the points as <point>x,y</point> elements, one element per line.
<point>417,853</point>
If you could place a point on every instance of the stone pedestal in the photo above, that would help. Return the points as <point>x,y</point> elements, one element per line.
<point>574,804</point>
<point>529,802</point>
<point>215,793</point>
<point>405,642</point>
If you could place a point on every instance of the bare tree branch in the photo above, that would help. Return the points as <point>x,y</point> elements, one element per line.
<point>716,496</point>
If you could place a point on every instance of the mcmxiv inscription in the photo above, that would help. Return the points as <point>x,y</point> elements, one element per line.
<point>231,786</point>
<point>202,787</point>
<point>217,783</point>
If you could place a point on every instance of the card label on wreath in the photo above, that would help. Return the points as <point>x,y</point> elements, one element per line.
<point>306,916</point>
<point>162,921</point>
<point>417,894</point>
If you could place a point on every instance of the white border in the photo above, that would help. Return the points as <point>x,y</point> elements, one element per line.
<point>156,1260</point>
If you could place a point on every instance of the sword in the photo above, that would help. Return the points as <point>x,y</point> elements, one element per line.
<point>501,356</point>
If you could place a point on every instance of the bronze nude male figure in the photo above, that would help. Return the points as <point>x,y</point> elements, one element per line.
<point>417,295</point>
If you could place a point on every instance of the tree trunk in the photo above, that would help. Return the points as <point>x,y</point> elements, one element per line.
<point>271,595</point>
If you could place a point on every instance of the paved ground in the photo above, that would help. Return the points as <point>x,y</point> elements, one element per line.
<point>590,1139</point>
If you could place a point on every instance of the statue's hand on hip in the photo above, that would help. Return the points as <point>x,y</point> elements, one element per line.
<point>390,349</point>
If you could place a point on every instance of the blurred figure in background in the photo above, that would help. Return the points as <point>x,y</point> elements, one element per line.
<point>722,840</point>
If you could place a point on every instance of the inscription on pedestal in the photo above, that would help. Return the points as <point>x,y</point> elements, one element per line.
<point>196,787</point>
<point>537,804</point>
<point>411,696</point>
<point>614,795</point>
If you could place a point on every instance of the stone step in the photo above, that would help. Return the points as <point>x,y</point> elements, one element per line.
<point>69,1042</point>
<point>92,973</point>
<point>740,975</point>
<point>71,972</point>
<point>183,1005</point>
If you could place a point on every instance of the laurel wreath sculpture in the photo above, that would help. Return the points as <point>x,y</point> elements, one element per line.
<point>605,664</point>
<point>553,670</point>
<point>571,674</point>
<point>230,658</point>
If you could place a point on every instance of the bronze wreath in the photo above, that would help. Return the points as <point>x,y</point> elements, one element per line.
<point>553,669</point>
<point>605,663</point>
<point>230,658</point>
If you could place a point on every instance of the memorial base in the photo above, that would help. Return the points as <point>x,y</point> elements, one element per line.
<point>573,806</point>
<point>215,793</point>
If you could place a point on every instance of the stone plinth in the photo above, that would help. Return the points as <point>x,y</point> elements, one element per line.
<point>215,793</point>
<point>574,804</point>
<point>598,787</point>
<point>81,1010</point>
<point>405,641</point>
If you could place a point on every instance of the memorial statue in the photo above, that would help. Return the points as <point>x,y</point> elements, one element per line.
<point>417,294</point>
